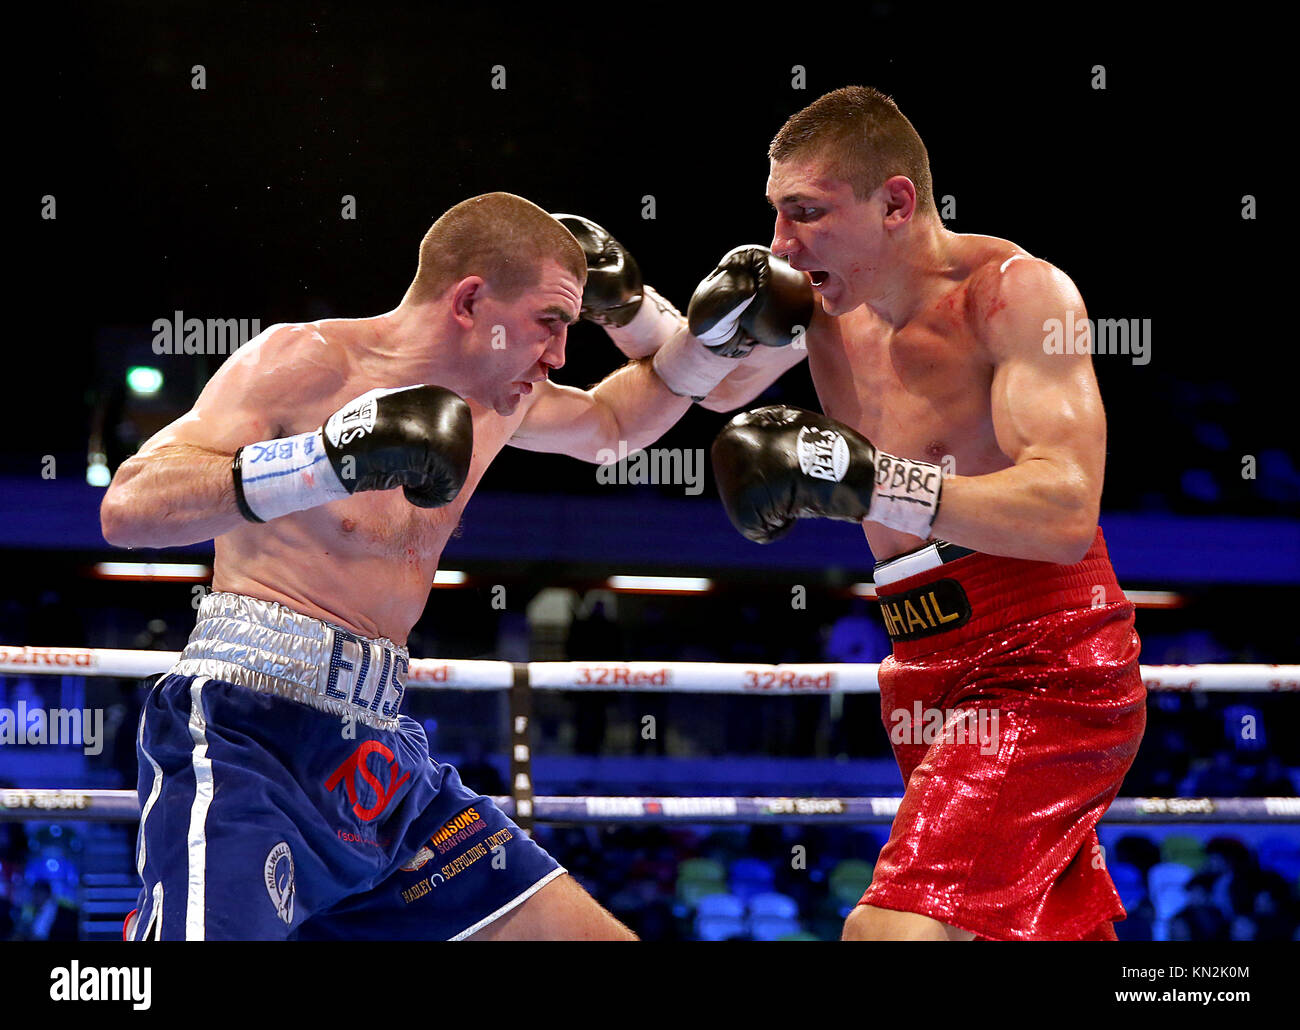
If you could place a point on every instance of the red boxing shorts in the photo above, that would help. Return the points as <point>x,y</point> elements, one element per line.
<point>1015,706</point>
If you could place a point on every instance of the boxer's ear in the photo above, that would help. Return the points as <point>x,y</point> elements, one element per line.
<point>465,296</point>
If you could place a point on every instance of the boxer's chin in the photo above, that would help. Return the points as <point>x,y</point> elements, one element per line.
<point>507,403</point>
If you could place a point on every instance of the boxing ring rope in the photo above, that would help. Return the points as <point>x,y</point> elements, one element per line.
<point>684,677</point>
<point>519,679</point>
<point>122,806</point>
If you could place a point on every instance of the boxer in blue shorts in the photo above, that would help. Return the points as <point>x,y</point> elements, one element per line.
<point>282,792</point>
<point>260,819</point>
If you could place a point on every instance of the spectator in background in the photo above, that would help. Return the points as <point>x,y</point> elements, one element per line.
<point>594,637</point>
<point>1274,912</point>
<point>14,849</point>
<point>475,767</point>
<point>6,914</point>
<point>47,918</point>
<point>1273,780</point>
<point>122,754</point>
<point>857,636</point>
<point>1198,922</point>
<point>1221,779</point>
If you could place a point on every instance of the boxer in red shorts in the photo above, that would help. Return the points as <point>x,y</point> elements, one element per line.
<point>970,444</point>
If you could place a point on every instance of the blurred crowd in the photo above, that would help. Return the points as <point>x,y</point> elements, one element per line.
<point>760,882</point>
<point>672,882</point>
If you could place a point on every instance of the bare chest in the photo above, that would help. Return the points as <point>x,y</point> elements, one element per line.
<point>384,524</point>
<point>922,392</point>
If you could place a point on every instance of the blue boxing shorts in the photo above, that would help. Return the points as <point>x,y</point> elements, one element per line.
<point>283,796</point>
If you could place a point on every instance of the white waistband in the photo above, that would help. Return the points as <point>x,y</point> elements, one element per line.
<point>270,648</point>
<point>913,563</point>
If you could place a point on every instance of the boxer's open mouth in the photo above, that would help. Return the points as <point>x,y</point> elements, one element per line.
<point>819,278</point>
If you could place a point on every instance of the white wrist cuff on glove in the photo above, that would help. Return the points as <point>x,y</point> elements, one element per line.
<point>654,324</point>
<point>688,368</point>
<point>293,474</point>
<point>906,497</point>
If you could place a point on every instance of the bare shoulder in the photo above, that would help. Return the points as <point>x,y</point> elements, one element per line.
<point>1011,294</point>
<point>287,362</point>
<point>300,348</point>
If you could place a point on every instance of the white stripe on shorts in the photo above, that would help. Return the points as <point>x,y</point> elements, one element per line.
<point>198,838</point>
<point>514,902</point>
<point>154,926</point>
<point>154,791</point>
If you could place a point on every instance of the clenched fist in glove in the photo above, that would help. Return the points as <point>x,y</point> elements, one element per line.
<point>777,464</point>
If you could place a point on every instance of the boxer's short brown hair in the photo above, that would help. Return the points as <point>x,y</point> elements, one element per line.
<point>499,236</point>
<point>864,138</point>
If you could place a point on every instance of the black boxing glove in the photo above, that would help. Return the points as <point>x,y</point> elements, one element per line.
<point>420,438</point>
<point>612,295</point>
<point>634,315</point>
<point>753,297</point>
<point>777,464</point>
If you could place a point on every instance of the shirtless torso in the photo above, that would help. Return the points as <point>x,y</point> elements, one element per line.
<point>922,391</point>
<point>367,562</point>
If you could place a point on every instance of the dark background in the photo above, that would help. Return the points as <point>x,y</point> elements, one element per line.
<point>225,202</point>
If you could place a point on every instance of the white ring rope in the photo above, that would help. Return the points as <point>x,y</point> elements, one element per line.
<point>681,677</point>
<point>123,806</point>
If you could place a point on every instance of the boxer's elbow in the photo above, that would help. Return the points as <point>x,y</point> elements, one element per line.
<point>123,517</point>
<point>112,526</point>
<point>1074,527</point>
<point>1070,549</point>
<point>117,520</point>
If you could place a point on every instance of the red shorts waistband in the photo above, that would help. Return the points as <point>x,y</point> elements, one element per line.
<point>957,601</point>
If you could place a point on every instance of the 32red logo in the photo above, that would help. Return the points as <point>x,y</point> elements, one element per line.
<point>355,766</point>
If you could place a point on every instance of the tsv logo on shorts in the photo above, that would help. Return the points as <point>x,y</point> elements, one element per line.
<point>355,768</point>
<point>278,875</point>
<point>823,453</point>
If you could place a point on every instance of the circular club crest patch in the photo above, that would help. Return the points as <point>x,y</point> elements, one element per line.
<point>278,875</point>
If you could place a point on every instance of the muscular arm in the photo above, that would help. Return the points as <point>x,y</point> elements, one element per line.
<point>752,376</point>
<point>1048,419</point>
<point>632,405</point>
<point>763,367</point>
<point>177,489</point>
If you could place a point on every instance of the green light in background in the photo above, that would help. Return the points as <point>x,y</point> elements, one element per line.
<point>144,380</point>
